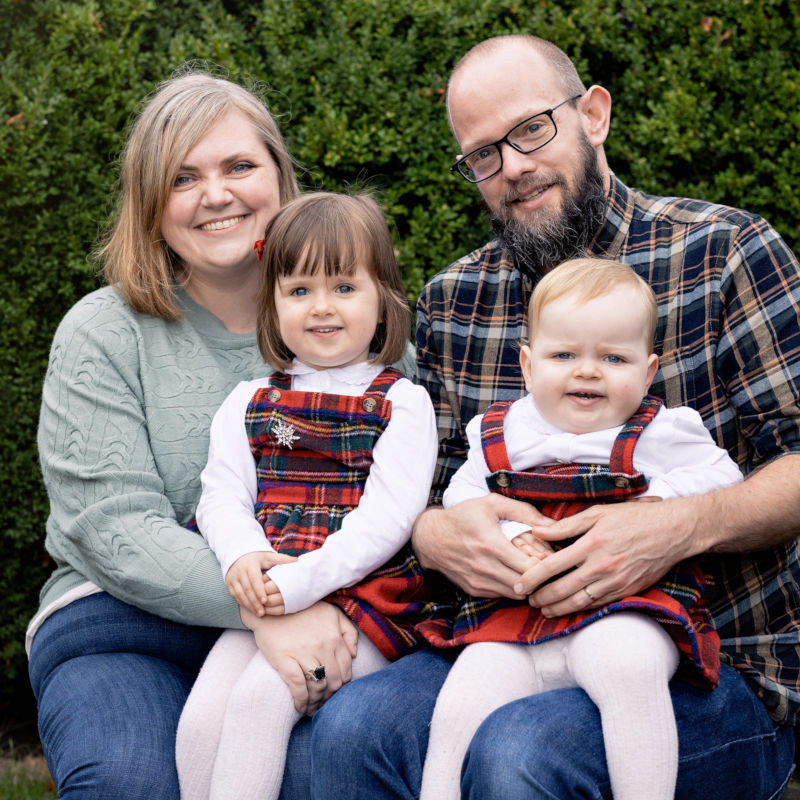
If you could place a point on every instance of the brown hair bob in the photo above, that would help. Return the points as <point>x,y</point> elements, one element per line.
<point>335,233</point>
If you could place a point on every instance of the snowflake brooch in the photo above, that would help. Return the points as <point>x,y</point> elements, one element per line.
<point>284,433</point>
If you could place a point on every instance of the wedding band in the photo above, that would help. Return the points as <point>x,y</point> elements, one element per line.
<point>316,674</point>
<point>590,595</point>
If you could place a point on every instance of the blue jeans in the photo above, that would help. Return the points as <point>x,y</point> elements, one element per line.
<point>110,681</point>
<point>369,741</point>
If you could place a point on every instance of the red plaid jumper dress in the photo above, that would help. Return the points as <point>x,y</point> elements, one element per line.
<point>313,453</point>
<point>678,601</point>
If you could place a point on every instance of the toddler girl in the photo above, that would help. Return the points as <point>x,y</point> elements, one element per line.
<point>314,479</point>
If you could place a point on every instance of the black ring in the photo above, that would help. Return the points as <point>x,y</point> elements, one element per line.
<point>316,673</point>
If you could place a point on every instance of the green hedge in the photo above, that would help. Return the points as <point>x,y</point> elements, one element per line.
<point>705,105</point>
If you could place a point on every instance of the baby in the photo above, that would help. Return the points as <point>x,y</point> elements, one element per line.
<point>586,433</point>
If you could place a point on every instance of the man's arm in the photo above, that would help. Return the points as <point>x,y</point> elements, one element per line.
<point>465,542</point>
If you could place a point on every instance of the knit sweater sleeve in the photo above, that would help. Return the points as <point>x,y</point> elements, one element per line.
<point>230,483</point>
<point>113,423</point>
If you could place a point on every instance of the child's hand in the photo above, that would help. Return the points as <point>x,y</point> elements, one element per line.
<point>246,580</point>
<point>531,545</point>
<point>274,606</point>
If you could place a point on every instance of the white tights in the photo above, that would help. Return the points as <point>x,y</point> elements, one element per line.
<point>235,727</point>
<point>623,662</point>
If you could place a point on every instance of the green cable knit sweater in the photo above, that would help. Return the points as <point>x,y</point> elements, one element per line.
<point>123,436</point>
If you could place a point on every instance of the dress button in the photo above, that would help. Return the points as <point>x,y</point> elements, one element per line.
<point>503,480</point>
<point>369,404</point>
<point>274,395</point>
<point>621,483</point>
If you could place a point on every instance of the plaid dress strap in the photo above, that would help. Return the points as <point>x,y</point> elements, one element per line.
<point>280,380</point>
<point>576,485</point>
<point>621,459</point>
<point>493,440</point>
<point>313,454</point>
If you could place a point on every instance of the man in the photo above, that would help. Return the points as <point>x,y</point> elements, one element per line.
<point>531,137</point>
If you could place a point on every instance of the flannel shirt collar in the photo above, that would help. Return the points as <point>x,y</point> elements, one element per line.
<point>613,234</point>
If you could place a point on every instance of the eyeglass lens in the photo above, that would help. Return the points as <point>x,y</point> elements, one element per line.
<point>526,137</point>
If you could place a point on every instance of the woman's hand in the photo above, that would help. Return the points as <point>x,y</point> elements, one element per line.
<point>247,583</point>
<point>298,643</point>
<point>465,543</point>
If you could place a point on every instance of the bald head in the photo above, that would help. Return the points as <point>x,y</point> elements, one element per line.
<point>518,48</point>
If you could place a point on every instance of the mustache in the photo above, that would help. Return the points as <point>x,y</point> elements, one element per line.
<point>531,185</point>
<point>537,243</point>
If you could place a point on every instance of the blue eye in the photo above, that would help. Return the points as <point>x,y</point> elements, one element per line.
<point>562,356</point>
<point>242,166</point>
<point>182,180</point>
<point>345,288</point>
<point>299,291</point>
<point>615,360</point>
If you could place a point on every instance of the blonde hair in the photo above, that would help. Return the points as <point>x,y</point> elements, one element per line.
<point>335,233</point>
<point>589,278</point>
<point>136,258</point>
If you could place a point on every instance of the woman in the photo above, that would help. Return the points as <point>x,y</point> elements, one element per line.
<point>137,370</point>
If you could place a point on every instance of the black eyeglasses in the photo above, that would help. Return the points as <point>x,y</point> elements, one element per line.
<point>525,137</point>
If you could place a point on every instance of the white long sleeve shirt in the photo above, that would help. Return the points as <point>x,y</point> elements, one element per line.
<point>675,452</point>
<point>395,492</point>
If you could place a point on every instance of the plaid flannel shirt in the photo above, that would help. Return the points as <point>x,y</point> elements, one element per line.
<point>728,336</point>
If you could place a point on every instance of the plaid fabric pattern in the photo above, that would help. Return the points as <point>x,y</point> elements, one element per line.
<point>728,291</point>
<point>560,490</point>
<point>313,453</point>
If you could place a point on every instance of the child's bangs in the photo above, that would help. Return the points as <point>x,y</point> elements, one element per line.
<point>335,249</point>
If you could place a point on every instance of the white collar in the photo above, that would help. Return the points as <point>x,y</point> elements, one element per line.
<point>363,372</point>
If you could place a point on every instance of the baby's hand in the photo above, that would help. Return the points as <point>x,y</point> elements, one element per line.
<point>247,583</point>
<point>274,605</point>
<point>531,545</point>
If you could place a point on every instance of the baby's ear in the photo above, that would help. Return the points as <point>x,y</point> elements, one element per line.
<point>525,365</point>
<point>652,368</point>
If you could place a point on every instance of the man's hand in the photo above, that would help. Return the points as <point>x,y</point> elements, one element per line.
<point>466,545</point>
<point>248,585</point>
<point>625,548</point>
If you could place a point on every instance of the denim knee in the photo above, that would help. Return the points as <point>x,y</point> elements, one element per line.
<point>110,682</point>
<point>370,738</point>
<point>511,757</point>
<point>551,746</point>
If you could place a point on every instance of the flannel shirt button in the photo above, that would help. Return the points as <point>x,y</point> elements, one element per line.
<point>369,404</point>
<point>503,480</point>
<point>621,483</point>
<point>274,395</point>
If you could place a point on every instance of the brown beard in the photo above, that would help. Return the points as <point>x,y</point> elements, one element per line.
<point>536,248</point>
